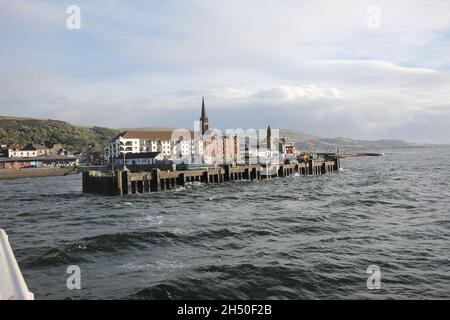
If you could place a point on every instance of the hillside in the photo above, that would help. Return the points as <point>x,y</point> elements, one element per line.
<point>75,138</point>
<point>313,143</point>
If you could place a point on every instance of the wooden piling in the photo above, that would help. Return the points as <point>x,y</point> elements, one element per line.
<point>85,181</point>
<point>280,172</point>
<point>337,164</point>
<point>227,173</point>
<point>311,167</point>
<point>156,180</point>
<point>126,182</point>
<point>181,180</point>
<point>140,186</point>
<point>205,177</point>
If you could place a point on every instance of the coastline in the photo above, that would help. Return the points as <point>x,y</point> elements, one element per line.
<point>35,172</point>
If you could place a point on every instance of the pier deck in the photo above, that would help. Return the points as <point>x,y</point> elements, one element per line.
<point>123,182</point>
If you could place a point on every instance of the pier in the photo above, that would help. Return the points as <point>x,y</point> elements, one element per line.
<point>124,182</point>
<point>264,156</point>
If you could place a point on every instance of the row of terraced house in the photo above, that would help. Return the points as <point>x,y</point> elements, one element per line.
<point>36,155</point>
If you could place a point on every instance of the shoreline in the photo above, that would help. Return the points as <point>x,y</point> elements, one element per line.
<point>35,172</point>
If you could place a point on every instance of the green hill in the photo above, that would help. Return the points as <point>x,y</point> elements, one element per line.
<point>75,138</point>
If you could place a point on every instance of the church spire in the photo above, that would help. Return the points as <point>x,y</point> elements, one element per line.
<point>269,138</point>
<point>203,109</point>
<point>204,117</point>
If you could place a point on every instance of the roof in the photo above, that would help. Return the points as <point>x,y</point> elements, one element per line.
<point>140,155</point>
<point>32,146</point>
<point>95,148</point>
<point>149,135</point>
<point>13,146</point>
<point>54,145</point>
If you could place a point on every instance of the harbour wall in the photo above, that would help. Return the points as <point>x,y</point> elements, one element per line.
<point>124,182</point>
<point>35,172</point>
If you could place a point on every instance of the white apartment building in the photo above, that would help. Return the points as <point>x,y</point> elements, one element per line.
<point>122,145</point>
<point>12,153</point>
<point>169,144</point>
<point>29,151</point>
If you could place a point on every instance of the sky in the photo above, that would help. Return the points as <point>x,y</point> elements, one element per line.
<point>359,69</point>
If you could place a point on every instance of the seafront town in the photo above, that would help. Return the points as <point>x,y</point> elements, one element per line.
<point>140,149</point>
<point>203,146</point>
<point>151,161</point>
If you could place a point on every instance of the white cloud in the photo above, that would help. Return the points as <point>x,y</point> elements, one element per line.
<point>297,93</point>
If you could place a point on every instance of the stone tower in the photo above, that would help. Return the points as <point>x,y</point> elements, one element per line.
<point>204,117</point>
<point>269,139</point>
